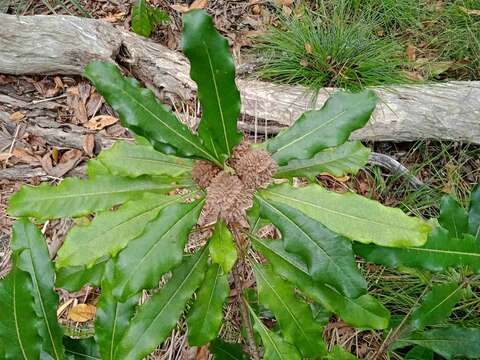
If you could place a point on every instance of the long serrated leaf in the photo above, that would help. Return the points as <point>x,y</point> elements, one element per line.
<point>294,316</point>
<point>222,248</point>
<point>449,342</point>
<point>76,197</point>
<point>320,129</point>
<point>112,317</point>
<point>81,349</point>
<point>276,347</point>
<point>213,69</point>
<point>438,254</point>
<point>329,256</point>
<point>157,250</point>
<point>73,278</point>
<point>453,217</point>
<point>110,231</point>
<point>365,311</point>
<point>339,161</point>
<point>156,318</point>
<point>436,306</point>
<point>474,213</point>
<point>353,216</point>
<point>124,159</point>
<point>28,241</point>
<point>18,321</point>
<point>140,111</point>
<point>205,317</point>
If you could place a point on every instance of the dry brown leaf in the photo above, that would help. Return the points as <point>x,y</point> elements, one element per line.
<point>67,162</point>
<point>5,156</point>
<point>198,4</point>
<point>284,2</point>
<point>94,103</point>
<point>470,11</point>
<point>101,121</point>
<point>308,48</point>
<point>17,116</point>
<point>411,52</point>
<point>82,312</point>
<point>341,179</point>
<point>180,8</point>
<point>202,353</point>
<point>89,144</point>
<point>24,155</point>
<point>256,9</point>
<point>413,75</point>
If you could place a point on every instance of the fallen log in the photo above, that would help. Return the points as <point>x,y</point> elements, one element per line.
<point>65,44</point>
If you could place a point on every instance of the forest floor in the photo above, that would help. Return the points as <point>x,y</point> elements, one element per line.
<point>30,157</point>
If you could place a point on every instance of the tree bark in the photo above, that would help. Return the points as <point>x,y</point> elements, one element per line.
<point>65,44</point>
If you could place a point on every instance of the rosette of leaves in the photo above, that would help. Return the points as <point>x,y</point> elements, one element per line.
<point>142,201</point>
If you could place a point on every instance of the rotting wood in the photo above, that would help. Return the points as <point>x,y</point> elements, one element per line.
<point>65,44</point>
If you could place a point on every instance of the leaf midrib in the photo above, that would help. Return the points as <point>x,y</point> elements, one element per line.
<point>289,311</point>
<point>308,133</point>
<point>359,219</point>
<point>180,287</point>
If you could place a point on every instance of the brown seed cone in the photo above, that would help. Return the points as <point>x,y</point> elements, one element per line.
<point>239,151</point>
<point>203,173</point>
<point>227,199</point>
<point>255,169</point>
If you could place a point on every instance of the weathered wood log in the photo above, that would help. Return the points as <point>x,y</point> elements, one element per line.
<point>64,45</point>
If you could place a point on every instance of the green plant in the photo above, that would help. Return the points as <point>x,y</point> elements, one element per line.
<point>325,48</point>
<point>453,244</point>
<point>149,197</point>
<point>145,17</point>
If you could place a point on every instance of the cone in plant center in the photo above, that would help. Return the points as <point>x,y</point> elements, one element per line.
<point>230,195</point>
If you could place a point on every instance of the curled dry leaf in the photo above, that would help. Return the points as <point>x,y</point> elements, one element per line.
<point>101,121</point>
<point>199,4</point>
<point>17,116</point>
<point>89,144</point>
<point>82,312</point>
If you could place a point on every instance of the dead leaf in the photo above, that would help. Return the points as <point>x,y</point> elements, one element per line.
<point>101,121</point>
<point>287,11</point>
<point>198,4</point>
<point>94,103</point>
<point>414,75</point>
<point>89,144</point>
<point>304,62</point>
<point>308,48</point>
<point>82,312</point>
<point>5,156</point>
<point>67,162</point>
<point>411,52</point>
<point>256,9</point>
<point>17,116</point>
<point>341,179</point>
<point>25,155</point>
<point>75,103</point>
<point>180,8</point>
<point>284,2</point>
<point>202,353</point>
<point>470,11</point>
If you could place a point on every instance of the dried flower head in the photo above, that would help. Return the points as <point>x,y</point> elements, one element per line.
<point>227,199</point>
<point>203,173</point>
<point>255,169</point>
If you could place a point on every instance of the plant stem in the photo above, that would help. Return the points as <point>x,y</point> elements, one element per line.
<point>253,350</point>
